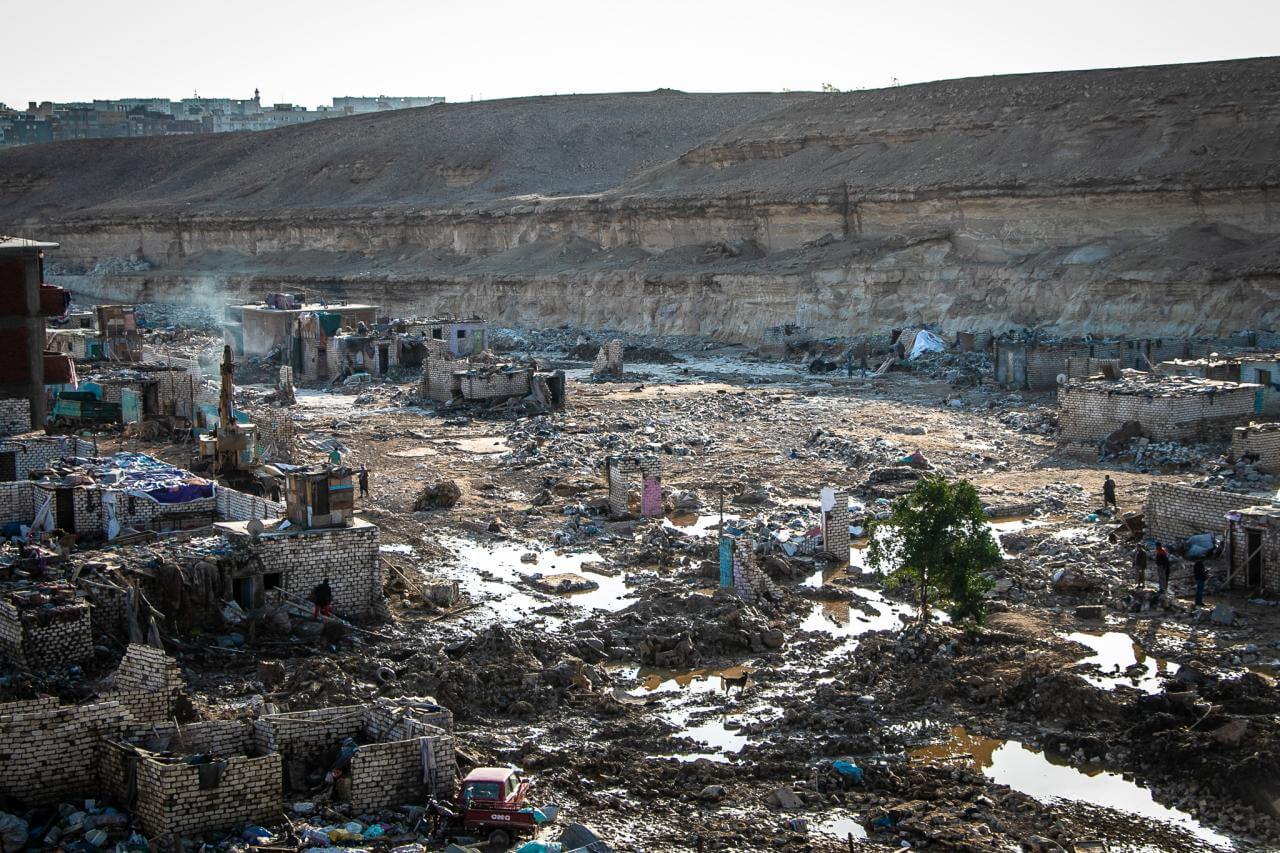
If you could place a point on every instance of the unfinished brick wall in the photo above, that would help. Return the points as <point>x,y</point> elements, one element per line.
<point>835,524</point>
<point>108,609</point>
<point>496,385</point>
<point>147,684</point>
<point>749,580</point>
<point>171,799</point>
<point>410,753</point>
<point>649,469</point>
<point>37,638</point>
<point>608,360</point>
<point>36,453</point>
<point>347,556</point>
<point>15,417</point>
<point>1176,511</point>
<point>49,752</point>
<point>17,502</point>
<point>234,505</point>
<point>1089,412</point>
<point>1260,440</point>
<point>438,367</point>
<point>276,434</point>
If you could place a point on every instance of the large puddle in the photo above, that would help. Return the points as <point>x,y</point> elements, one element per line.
<point>1120,660</point>
<point>709,706</point>
<point>497,572</point>
<point>1031,772</point>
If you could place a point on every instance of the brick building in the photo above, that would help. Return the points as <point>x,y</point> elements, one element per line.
<point>1168,408</point>
<point>25,302</point>
<point>45,625</point>
<point>1260,442</point>
<point>1249,524</point>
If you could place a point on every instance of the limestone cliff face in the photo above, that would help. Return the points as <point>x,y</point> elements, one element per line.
<point>1132,201</point>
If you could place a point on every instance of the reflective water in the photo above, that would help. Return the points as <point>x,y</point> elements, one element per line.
<point>1121,660</point>
<point>495,572</point>
<point>1031,772</point>
<point>840,827</point>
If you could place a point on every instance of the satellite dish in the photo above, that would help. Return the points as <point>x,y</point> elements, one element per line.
<point>255,528</point>
<point>1062,379</point>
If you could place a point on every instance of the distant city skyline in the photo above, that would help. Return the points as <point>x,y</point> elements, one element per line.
<point>307,53</point>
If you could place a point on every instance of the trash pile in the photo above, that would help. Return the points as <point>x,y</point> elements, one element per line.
<point>959,369</point>
<point>1039,420</point>
<point>84,825</point>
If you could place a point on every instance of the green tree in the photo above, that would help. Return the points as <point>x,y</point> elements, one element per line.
<point>937,538</point>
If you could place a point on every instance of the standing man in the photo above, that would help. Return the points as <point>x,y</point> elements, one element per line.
<point>364,482</point>
<point>1140,563</point>
<point>1109,493</point>
<point>335,457</point>
<point>1201,574</point>
<point>1162,567</point>
<point>322,598</point>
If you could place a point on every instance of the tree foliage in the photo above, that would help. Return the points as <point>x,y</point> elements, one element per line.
<point>936,537</point>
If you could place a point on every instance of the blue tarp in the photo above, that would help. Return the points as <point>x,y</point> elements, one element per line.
<point>138,473</point>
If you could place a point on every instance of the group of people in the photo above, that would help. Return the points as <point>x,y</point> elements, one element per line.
<point>1199,573</point>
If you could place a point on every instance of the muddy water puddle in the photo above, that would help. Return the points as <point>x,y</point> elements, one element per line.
<point>697,525</point>
<point>840,827</point>
<point>1030,771</point>
<point>1120,659</point>
<point>710,706</point>
<point>496,572</point>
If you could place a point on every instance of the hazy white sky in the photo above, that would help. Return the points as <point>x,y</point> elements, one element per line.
<point>307,51</point>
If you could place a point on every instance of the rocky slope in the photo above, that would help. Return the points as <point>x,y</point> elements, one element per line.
<point>1117,201</point>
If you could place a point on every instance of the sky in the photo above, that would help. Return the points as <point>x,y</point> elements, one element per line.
<point>308,52</point>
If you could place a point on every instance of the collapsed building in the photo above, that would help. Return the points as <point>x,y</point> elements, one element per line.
<point>485,378</point>
<point>1036,365</point>
<point>284,321</point>
<point>113,334</point>
<point>186,778</point>
<point>1162,408</point>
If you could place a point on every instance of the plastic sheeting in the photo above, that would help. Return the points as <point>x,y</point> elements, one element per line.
<point>926,341</point>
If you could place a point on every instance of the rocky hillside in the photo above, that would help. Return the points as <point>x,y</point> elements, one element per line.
<point>448,154</point>
<point>1127,201</point>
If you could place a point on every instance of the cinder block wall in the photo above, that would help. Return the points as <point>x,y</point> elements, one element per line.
<point>1176,511</point>
<point>347,556</point>
<point>50,752</point>
<point>1261,440</point>
<point>1090,414</point>
<point>170,799</point>
<point>15,417</point>
<point>496,386</point>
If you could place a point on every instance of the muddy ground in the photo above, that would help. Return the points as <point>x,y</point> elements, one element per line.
<point>628,703</point>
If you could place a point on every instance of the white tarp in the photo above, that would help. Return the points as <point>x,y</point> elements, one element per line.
<point>926,341</point>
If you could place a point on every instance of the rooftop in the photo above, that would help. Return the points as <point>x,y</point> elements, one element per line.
<point>1138,383</point>
<point>22,244</point>
<point>276,528</point>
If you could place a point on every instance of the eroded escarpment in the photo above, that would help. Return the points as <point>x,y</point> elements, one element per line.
<point>1130,200</point>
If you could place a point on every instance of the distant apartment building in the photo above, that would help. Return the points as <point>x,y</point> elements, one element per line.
<point>47,121</point>
<point>355,105</point>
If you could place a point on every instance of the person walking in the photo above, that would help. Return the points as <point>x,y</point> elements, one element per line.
<point>1140,563</point>
<point>1109,493</point>
<point>1162,567</point>
<point>322,598</point>
<point>1200,574</point>
<point>364,482</point>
